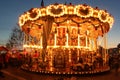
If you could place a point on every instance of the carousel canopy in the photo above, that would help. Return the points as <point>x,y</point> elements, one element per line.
<point>95,20</point>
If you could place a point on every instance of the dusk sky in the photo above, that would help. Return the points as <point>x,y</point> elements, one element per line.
<point>10,10</point>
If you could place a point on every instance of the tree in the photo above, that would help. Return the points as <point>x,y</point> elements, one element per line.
<point>16,38</point>
<point>118,46</point>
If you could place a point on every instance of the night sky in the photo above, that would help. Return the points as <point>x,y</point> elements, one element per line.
<point>10,10</point>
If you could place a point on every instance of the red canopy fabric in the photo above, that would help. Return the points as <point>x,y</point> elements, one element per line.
<point>2,48</point>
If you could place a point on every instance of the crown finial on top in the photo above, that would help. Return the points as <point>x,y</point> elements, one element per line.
<point>42,3</point>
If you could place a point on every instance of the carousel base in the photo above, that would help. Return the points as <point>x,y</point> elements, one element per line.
<point>66,71</point>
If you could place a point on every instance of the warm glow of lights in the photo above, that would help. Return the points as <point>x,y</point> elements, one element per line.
<point>56,10</point>
<point>95,13</point>
<point>78,40</point>
<point>41,41</point>
<point>65,47</point>
<point>85,8</point>
<point>22,20</point>
<point>35,12</point>
<point>67,40</point>
<point>55,41</point>
<point>87,38</point>
<point>110,21</point>
<point>60,10</point>
<point>51,68</point>
<point>69,57</point>
<point>43,12</point>
<point>104,14</point>
<point>32,46</point>
<point>70,10</point>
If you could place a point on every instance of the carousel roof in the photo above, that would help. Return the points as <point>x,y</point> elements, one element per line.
<point>82,15</point>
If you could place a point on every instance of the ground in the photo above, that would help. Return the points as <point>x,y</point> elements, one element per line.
<point>13,73</point>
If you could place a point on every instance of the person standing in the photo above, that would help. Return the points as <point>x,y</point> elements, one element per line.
<point>1,65</point>
<point>116,64</point>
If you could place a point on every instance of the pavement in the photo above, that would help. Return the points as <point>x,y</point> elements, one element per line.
<point>13,73</point>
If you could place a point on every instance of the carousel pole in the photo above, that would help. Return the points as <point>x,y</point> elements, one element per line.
<point>87,39</point>
<point>51,60</point>
<point>95,44</point>
<point>90,44</point>
<point>67,40</point>
<point>78,44</point>
<point>55,38</point>
<point>67,33</point>
<point>41,38</point>
<point>105,45</point>
<point>78,38</point>
<point>41,42</point>
<point>25,39</point>
<point>69,56</point>
<point>67,37</point>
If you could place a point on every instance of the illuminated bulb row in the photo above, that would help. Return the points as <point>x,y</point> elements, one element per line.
<point>83,7</point>
<point>61,6</point>
<point>32,46</point>
<point>65,9</point>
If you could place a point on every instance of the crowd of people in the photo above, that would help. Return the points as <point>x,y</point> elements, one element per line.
<point>17,59</point>
<point>10,59</point>
<point>114,62</point>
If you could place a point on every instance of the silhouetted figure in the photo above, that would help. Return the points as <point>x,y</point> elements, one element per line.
<point>111,62</point>
<point>1,65</point>
<point>116,65</point>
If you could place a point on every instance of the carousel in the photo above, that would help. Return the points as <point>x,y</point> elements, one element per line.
<point>66,39</point>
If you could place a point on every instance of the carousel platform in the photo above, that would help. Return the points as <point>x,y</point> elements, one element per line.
<point>65,71</point>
